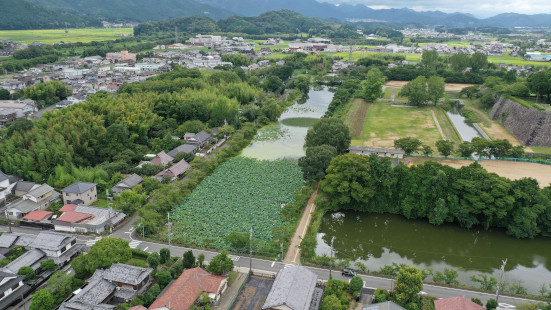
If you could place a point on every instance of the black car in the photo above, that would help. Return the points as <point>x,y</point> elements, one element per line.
<point>348,273</point>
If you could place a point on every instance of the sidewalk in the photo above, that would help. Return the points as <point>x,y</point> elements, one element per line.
<point>228,296</point>
<point>293,254</point>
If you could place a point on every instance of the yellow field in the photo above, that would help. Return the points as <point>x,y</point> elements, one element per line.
<point>49,36</point>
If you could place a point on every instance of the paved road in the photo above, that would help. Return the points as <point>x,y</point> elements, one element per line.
<point>127,232</point>
<point>293,253</point>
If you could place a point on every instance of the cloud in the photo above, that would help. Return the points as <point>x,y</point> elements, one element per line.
<point>475,7</point>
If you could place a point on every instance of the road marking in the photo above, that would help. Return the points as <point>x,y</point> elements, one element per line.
<point>146,248</point>
<point>234,257</point>
<point>134,244</point>
<point>272,264</point>
<point>131,229</point>
<point>93,241</point>
<point>288,265</point>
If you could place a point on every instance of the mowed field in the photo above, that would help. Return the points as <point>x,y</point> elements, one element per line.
<point>508,169</point>
<point>49,36</point>
<point>379,124</point>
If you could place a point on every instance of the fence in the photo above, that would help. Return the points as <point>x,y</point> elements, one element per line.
<point>230,305</point>
<point>526,160</point>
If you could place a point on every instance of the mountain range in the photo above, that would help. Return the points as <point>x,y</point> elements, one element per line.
<point>29,14</point>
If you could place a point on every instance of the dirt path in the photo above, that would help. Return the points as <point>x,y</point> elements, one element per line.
<point>508,169</point>
<point>437,124</point>
<point>293,255</point>
<point>357,118</point>
<point>393,96</point>
<point>449,86</point>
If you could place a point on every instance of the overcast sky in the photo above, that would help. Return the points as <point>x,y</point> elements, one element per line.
<point>479,8</point>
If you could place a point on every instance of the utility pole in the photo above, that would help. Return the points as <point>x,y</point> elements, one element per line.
<point>501,278</point>
<point>169,224</point>
<point>251,251</point>
<point>109,203</point>
<point>331,259</point>
<point>281,251</point>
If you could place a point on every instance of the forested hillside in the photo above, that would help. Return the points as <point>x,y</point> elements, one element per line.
<point>21,14</point>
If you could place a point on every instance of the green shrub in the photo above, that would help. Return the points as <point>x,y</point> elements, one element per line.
<point>137,262</point>
<point>137,253</point>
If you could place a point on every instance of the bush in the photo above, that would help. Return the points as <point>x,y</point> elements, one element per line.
<point>477,301</point>
<point>137,262</point>
<point>26,271</point>
<point>137,253</point>
<point>48,265</point>
<point>491,304</point>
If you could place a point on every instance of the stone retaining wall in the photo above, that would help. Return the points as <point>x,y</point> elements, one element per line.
<point>531,126</point>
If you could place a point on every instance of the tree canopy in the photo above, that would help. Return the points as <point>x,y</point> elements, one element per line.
<point>329,131</point>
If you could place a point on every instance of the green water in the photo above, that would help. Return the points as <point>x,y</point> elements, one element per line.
<point>381,239</point>
<point>285,139</point>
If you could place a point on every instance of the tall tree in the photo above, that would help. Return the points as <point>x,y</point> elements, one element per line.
<point>435,88</point>
<point>445,147</point>
<point>220,264</point>
<point>416,91</point>
<point>429,60</point>
<point>329,131</point>
<point>408,144</point>
<point>372,86</point>
<point>188,260</point>
<point>409,282</point>
<point>316,161</point>
<point>479,61</point>
<point>43,300</point>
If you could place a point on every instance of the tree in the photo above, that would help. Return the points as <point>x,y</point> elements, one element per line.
<point>459,62</point>
<point>408,144</point>
<point>409,283</point>
<point>477,301</point>
<point>331,302</point>
<point>153,260</point>
<point>20,125</point>
<point>79,265</point>
<point>60,285</point>
<point>435,88</point>
<point>416,91</point>
<point>491,304</point>
<point>4,94</point>
<point>479,61</point>
<point>465,149</point>
<point>372,86</point>
<point>163,276</point>
<point>220,264</point>
<point>106,252</point>
<point>539,84</point>
<point>449,276</point>
<point>26,271</point>
<point>188,261</point>
<point>164,255</point>
<point>302,83</point>
<point>356,285</point>
<point>130,201</point>
<point>43,300</point>
<point>486,283</point>
<point>200,260</point>
<point>48,265</point>
<point>445,147</point>
<point>429,60</point>
<point>329,131</point>
<point>316,161</point>
<point>427,150</point>
<point>270,109</point>
<point>272,83</point>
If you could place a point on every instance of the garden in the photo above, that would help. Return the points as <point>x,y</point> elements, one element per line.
<point>241,193</point>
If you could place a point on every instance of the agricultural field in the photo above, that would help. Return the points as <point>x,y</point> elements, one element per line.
<point>382,124</point>
<point>49,36</point>
<point>240,193</point>
<point>517,61</point>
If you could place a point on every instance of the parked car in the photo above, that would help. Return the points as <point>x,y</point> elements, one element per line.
<point>348,273</point>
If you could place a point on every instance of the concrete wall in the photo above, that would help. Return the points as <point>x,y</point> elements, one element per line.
<point>531,126</point>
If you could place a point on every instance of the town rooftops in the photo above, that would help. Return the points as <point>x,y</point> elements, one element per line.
<point>201,137</point>
<point>128,274</point>
<point>128,183</point>
<point>186,289</point>
<point>24,186</point>
<point>41,190</point>
<point>73,217</point>
<point>30,258</point>
<point>93,215</point>
<point>3,176</point>
<point>8,240</point>
<point>175,170</point>
<point>359,149</point>
<point>293,287</point>
<point>78,187</point>
<point>68,208</point>
<point>49,240</point>
<point>162,159</point>
<point>38,215</point>
<point>388,305</point>
<point>456,303</point>
<point>184,148</point>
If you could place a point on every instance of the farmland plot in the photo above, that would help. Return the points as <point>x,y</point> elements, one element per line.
<point>240,193</point>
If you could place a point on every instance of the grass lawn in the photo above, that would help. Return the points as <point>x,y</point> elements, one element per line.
<point>517,61</point>
<point>541,150</point>
<point>384,124</point>
<point>101,203</point>
<point>388,93</point>
<point>231,278</point>
<point>56,35</point>
<point>447,126</point>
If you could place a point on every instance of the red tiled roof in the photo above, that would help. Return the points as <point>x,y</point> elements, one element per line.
<point>456,303</point>
<point>187,288</point>
<point>73,217</point>
<point>140,307</point>
<point>38,215</point>
<point>67,208</point>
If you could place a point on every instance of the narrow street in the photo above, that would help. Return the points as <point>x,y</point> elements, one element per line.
<point>293,254</point>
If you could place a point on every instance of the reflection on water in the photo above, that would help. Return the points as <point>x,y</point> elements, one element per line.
<point>381,239</point>
<point>286,138</point>
<point>465,129</point>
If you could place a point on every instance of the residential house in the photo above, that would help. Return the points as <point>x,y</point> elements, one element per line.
<point>387,305</point>
<point>84,219</point>
<point>200,138</point>
<point>80,193</point>
<point>23,108</point>
<point>175,170</point>
<point>128,183</point>
<point>5,187</point>
<point>162,159</point>
<point>7,116</point>
<point>39,198</point>
<point>184,148</point>
<point>30,258</point>
<point>185,290</point>
<point>293,289</point>
<point>12,289</point>
<point>57,246</point>
<point>9,241</point>
<point>381,152</point>
<point>120,283</point>
<point>37,216</point>
<point>456,303</point>
<point>23,187</point>
<point>121,56</point>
